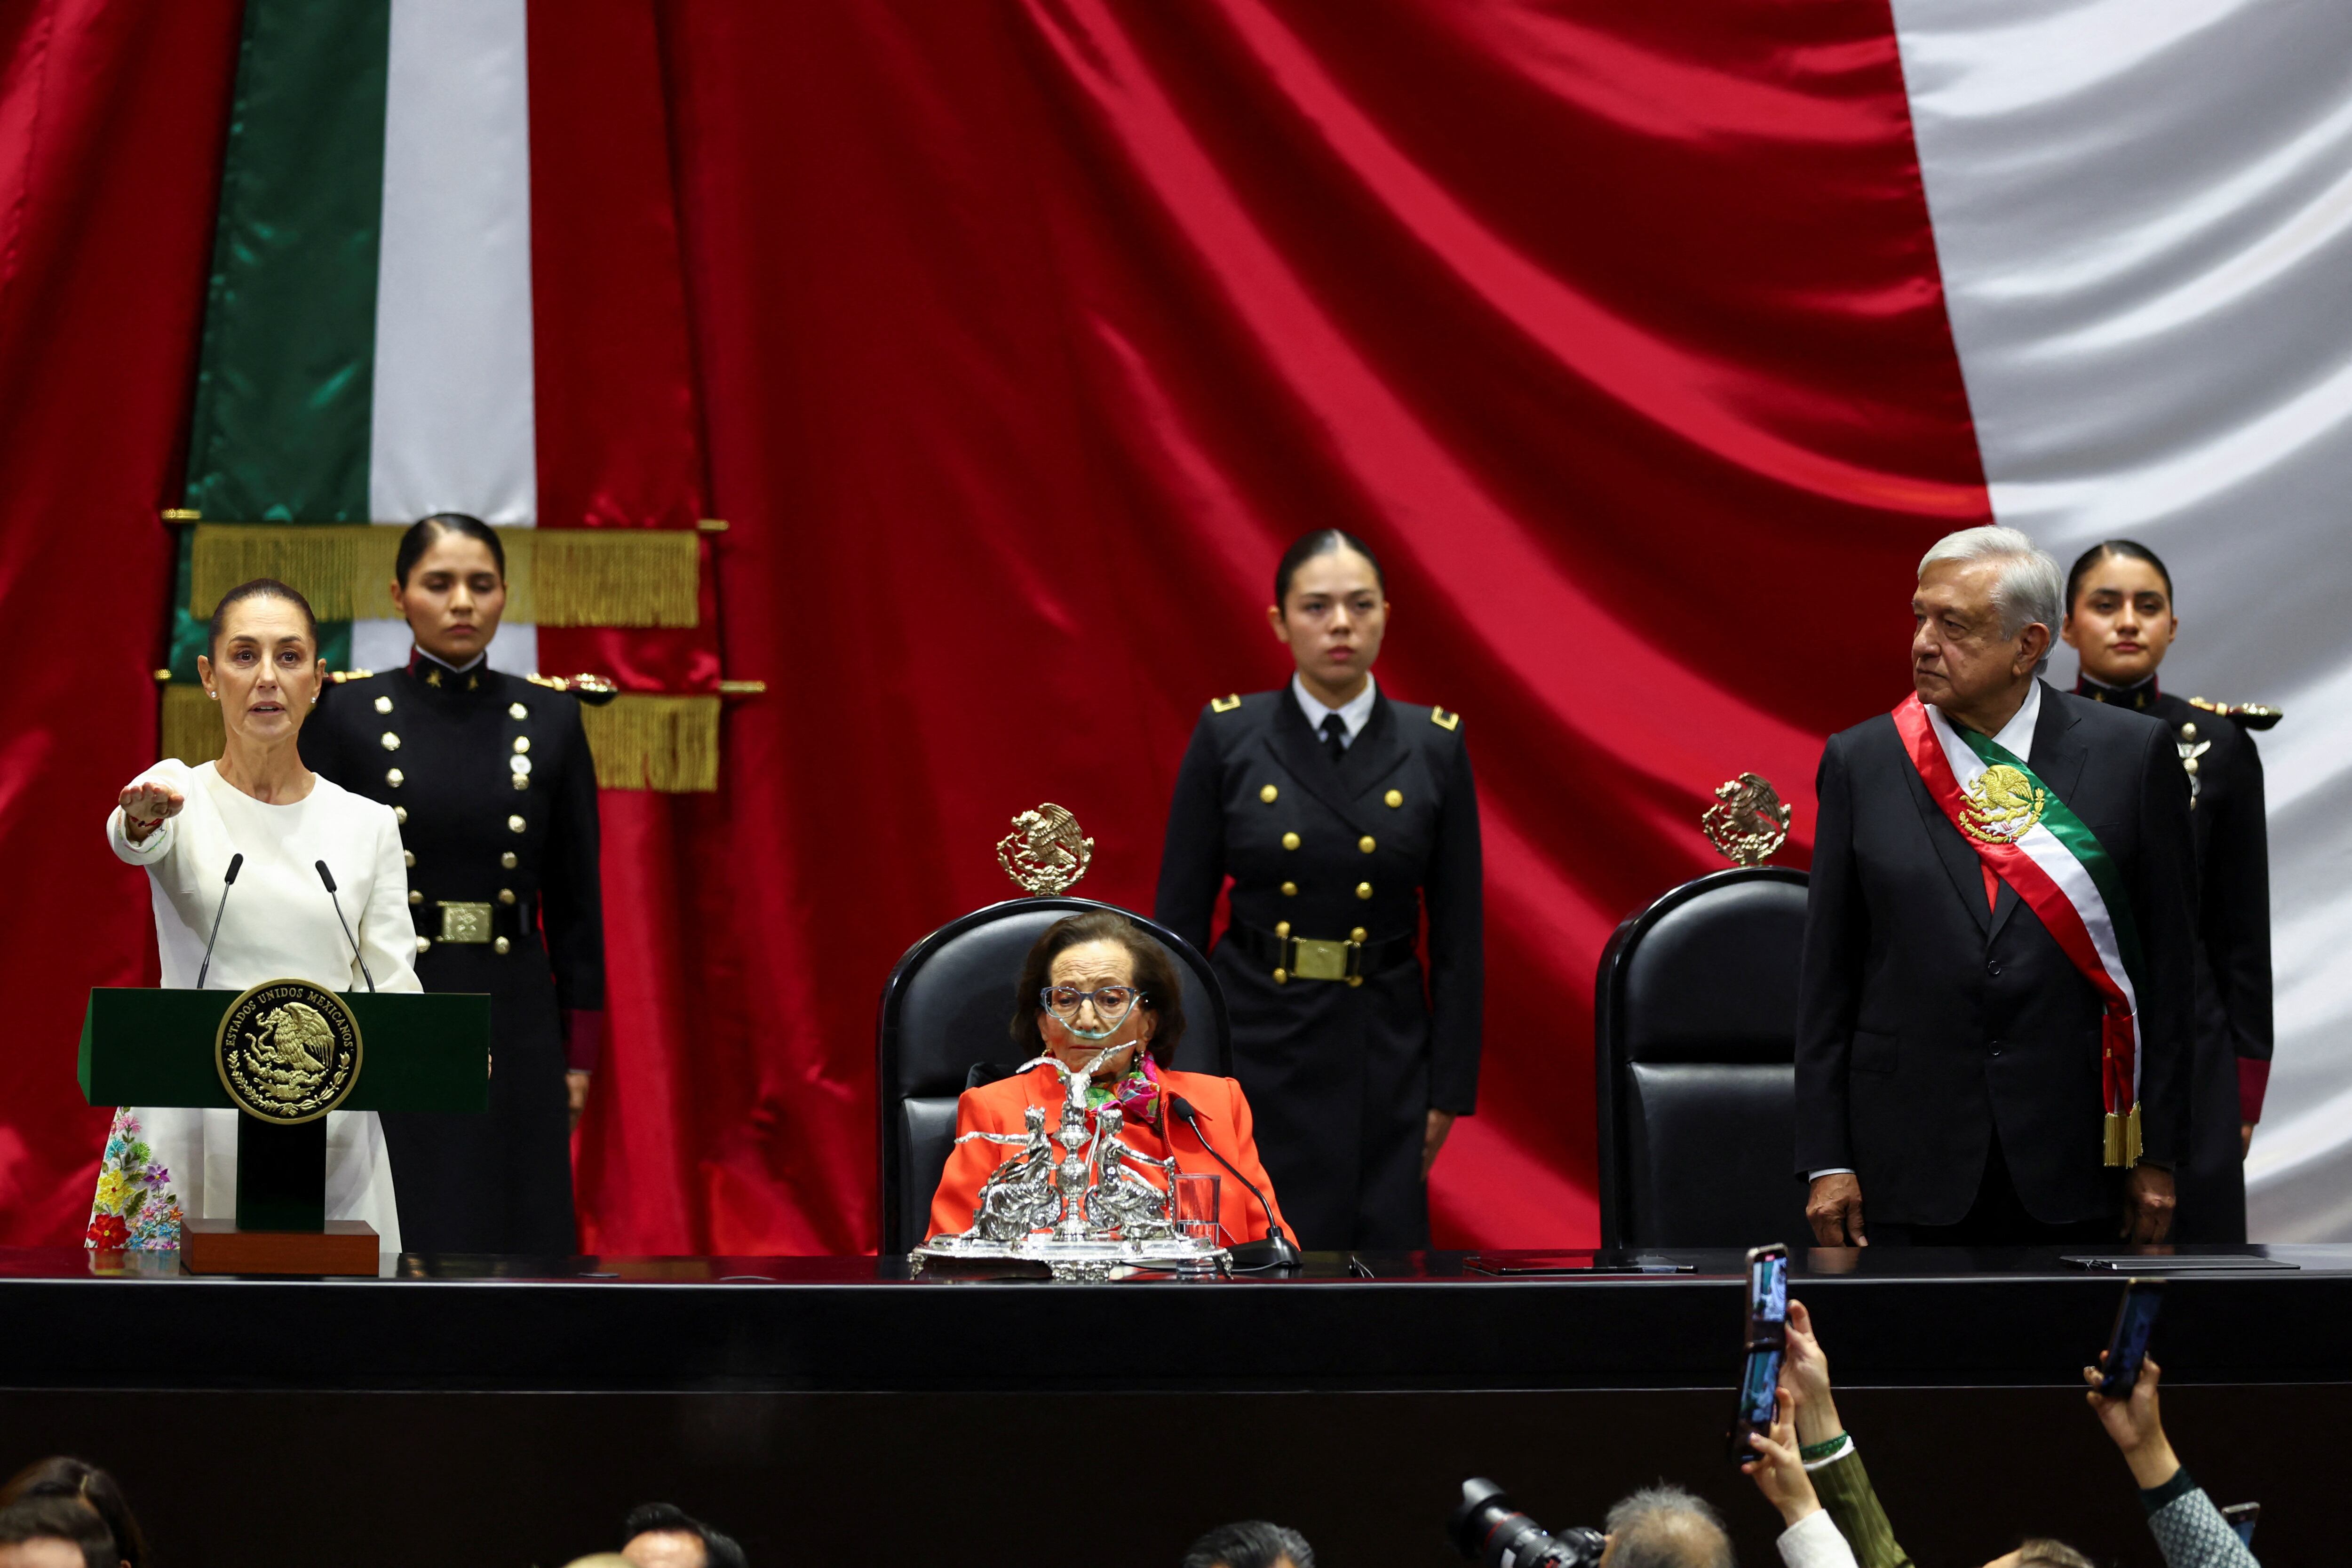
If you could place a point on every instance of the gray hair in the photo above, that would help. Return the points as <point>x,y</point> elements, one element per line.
<point>2029,588</point>
<point>1665,1527</point>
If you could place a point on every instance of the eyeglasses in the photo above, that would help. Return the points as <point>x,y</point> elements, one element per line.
<point>1111,1003</point>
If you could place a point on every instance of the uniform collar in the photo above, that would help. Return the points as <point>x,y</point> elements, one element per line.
<point>2139,697</point>
<point>1355,713</point>
<point>443,675</point>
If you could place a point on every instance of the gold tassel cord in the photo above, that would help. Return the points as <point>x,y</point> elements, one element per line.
<point>555,576</point>
<point>667,744</point>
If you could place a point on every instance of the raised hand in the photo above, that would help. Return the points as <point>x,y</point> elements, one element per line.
<point>1806,1372</point>
<point>147,804</point>
<point>1776,1470</point>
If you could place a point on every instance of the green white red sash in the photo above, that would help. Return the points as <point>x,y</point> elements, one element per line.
<point>2032,840</point>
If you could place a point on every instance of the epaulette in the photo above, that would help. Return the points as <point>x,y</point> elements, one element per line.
<point>340,675</point>
<point>1444,721</point>
<point>593,689</point>
<point>1224,704</point>
<point>2249,715</point>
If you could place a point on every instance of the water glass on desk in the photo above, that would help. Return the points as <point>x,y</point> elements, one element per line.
<point>1193,1205</point>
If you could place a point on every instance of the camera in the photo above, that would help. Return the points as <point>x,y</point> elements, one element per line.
<point>1486,1529</point>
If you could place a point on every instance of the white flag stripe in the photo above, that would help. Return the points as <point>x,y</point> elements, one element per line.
<point>454,410</point>
<point>2144,225</point>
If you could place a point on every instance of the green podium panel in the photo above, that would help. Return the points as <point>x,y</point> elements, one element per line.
<point>418,1051</point>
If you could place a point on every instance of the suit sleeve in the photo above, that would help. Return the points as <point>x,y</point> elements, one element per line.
<point>1455,894</point>
<point>2235,914</point>
<point>572,898</point>
<point>1829,976</point>
<point>967,1165</point>
<point>1193,859</point>
<point>2164,906</point>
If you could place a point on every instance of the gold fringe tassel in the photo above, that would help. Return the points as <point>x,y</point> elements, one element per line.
<point>191,725</point>
<point>668,744</point>
<point>555,576</point>
<point>2123,1138</point>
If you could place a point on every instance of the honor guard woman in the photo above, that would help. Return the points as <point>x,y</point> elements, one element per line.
<point>2119,619</point>
<point>489,776</point>
<point>1340,815</point>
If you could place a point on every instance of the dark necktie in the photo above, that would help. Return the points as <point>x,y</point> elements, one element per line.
<point>1335,735</point>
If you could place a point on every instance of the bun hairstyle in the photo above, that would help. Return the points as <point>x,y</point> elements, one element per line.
<point>423,532</point>
<point>2128,549</point>
<point>259,588</point>
<point>1159,992</point>
<point>1322,541</point>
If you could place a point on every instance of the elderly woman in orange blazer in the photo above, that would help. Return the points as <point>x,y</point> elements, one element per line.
<point>1093,981</point>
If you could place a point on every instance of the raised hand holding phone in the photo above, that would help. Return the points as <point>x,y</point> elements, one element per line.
<point>1766,1340</point>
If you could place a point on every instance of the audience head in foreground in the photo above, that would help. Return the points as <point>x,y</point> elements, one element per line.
<point>1251,1543</point>
<point>661,1535</point>
<point>54,1533</point>
<point>78,1480</point>
<point>1665,1527</point>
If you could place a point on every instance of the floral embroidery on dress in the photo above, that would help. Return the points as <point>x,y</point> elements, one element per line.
<point>135,1209</point>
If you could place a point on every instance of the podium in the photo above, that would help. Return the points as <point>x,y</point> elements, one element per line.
<point>407,1051</point>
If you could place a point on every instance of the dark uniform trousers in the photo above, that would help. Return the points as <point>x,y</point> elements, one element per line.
<point>1340,1077</point>
<point>491,778</point>
<point>2232,961</point>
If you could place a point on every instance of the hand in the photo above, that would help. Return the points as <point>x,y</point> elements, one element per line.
<point>2136,1424</point>
<point>576,1090</point>
<point>1776,1470</point>
<point>2245,1139</point>
<point>1806,1372</point>
<point>2147,1203</point>
<point>1833,1208</point>
<point>147,804</point>
<point>1433,1138</point>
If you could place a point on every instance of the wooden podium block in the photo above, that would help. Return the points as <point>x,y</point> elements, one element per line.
<point>217,1246</point>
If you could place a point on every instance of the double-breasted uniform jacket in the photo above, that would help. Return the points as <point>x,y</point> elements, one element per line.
<point>1928,1024</point>
<point>2232,959</point>
<point>1334,864</point>
<point>490,778</point>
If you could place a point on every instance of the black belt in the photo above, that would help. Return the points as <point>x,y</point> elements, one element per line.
<point>1293,957</point>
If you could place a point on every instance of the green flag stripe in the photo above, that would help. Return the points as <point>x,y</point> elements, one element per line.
<point>2079,841</point>
<point>284,375</point>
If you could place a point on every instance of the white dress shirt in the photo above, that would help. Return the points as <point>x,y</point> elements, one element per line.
<point>2016,737</point>
<point>1355,713</point>
<point>278,923</point>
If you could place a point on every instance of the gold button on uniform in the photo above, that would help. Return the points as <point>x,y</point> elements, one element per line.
<point>517,711</point>
<point>383,704</point>
<point>1394,798</point>
<point>519,764</point>
<point>522,742</point>
<point>514,825</point>
<point>501,944</point>
<point>395,777</point>
<point>391,741</point>
<point>1358,934</point>
<point>1282,930</point>
<point>1268,793</point>
<point>408,858</point>
<point>1366,844</point>
<point>1363,889</point>
<point>414,897</point>
<point>424,945</point>
<point>508,859</point>
<point>1290,841</point>
<point>1282,977</point>
<point>1290,889</point>
<point>506,895</point>
<point>400,815</point>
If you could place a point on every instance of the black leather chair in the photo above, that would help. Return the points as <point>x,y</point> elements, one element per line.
<point>1695,1051</point>
<point>942,1030</point>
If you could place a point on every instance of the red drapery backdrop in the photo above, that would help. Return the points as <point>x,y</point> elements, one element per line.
<point>1024,335</point>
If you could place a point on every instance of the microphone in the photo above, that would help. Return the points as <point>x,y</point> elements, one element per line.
<point>228,880</point>
<point>328,877</point>
<point>1277,1251</point>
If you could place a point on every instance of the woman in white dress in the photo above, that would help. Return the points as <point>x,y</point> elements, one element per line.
<point>184,824</point>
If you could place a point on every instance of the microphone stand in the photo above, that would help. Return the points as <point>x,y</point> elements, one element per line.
<point>328,877</point>
<point>235,863</point>
<point>1277,1250</point>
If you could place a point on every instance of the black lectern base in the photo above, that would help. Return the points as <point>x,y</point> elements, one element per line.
<point>217,1246</point>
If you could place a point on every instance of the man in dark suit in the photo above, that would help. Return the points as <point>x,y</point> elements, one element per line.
<point>1948,1051</point>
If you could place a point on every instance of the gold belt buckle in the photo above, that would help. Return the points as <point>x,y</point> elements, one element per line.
<point>1315,959</point>
<point>465,922</point>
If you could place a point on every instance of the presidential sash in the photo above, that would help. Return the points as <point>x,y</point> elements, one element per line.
<point>2024,834</point>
